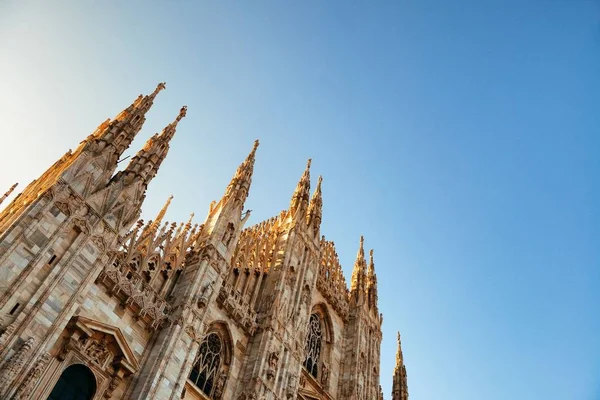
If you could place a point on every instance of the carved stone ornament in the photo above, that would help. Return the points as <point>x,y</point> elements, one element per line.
<point>324,374</point>
<point>220,386</point>
<point>112,386</point>
<point>191,331</point>
<point>97,351</point>
<point>101,344</point>
<point>81,224</point>
<point>98,242</point>
<point>32,377</point>
<point>273,359</point>
<point>63,207</point>
<point>15,363</point>
<point>207,253</point>
<point>291,387</point>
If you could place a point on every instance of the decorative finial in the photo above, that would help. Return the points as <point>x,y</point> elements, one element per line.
<point>256,143</point>
<point>362,240</point>
<point>182,113</point>
<point>371,255</point>
<point>308,163</point>
<point>159,87</point>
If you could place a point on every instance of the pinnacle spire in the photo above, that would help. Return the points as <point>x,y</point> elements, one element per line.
<point>241,181</point>
<point>169,131</point>
<point>400,380</point>
<point>399,356</point>
<point>8,192</point>
<point>146,101</point>
<point>357,284</point>
<point>300,198</point>
<point>315,208</point>
<point>147,161</point>
<point>120,132</point>
<point>161,213</point>
<point>372,283</point>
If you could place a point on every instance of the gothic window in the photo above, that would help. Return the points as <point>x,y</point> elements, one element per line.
<point>207,368</point>
<point>77,382</point>
<point>313,345</point>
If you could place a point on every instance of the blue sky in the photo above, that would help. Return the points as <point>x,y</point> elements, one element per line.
<point>462,138</point>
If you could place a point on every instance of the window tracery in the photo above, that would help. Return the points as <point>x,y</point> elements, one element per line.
<point>207,372</point>
<point>313,345</point>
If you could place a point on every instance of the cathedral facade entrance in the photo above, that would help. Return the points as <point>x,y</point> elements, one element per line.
<point>77,382</point>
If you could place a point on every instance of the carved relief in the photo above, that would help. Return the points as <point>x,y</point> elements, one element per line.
<point>273,359</point>
<point>32,378</point>
<point>97,351</point>
<point>15,363</point>
<point>206,294</point>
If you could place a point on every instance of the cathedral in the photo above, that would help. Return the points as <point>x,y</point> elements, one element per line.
<point>98,304</point>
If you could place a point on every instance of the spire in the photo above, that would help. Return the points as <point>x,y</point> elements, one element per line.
<point>315,208</point>
<point>372,283</point>
<point>10,190</point>
<point>161,213</point>
<point>146,162</point>
<point>120,132</point>
<point>399,357</point>
<point>300,198</point>
<point>169,131</point>
<point>400,380</point>
<point>357,285</point>
<point>239,186</point>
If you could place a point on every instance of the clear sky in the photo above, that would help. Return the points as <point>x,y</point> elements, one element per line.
<point>462,138</point>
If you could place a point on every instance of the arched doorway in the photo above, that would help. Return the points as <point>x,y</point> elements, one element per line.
<point>77,382</point>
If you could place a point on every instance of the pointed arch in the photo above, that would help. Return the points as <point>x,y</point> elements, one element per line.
<point>320,339</point>
<point>212,363</point>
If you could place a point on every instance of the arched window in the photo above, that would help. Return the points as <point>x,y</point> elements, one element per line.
<point>313,345</point>
<point>77,382</point>
<point>206,373</point>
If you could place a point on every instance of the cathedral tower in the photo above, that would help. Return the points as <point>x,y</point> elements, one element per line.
<point>92,297</point>
<point>362,333</point>
<point>400,382</point>
<point>56,236</point>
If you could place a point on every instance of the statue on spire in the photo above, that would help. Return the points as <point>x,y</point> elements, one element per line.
<point>159,87</point>
<point>182,113</point>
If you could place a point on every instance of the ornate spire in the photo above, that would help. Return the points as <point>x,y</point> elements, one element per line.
<point>120,132</point>
<point>357,285</point>
<point>146,162</point>
<point>372,283</point>
<point>300,198</point>
<point>10,190</point>
<point>315,208</point>
<point>400,380</point>
<point>239,186</point>
<point>169,131</point>
<point>161,214</point>
<point>399,357</point>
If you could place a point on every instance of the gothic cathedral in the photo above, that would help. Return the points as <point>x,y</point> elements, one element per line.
<point>97,304</point>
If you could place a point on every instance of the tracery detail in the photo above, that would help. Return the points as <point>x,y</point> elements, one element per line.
<point>331,282</point>
<point>313,345</point>
<point>206,373</point>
